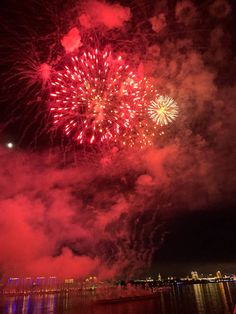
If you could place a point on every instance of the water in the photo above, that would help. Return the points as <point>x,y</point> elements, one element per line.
<point>217,298</point>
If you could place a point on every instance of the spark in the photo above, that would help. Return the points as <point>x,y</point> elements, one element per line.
<point>95,98</point>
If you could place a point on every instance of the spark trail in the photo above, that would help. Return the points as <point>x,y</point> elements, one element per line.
<point>96,98</point>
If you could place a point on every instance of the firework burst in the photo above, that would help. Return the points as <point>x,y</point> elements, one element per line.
<point>94,98</point>
<point>143,132</point>
<point>163,110</point>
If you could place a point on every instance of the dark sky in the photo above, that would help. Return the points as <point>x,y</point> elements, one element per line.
<point>202,241</point>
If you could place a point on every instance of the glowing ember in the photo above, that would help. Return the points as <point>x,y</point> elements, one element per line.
<point>44,72</point>
<point>95,98</point>
<point>163,110</point>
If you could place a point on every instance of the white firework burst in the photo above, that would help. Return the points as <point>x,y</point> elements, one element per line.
<point>163,110</point>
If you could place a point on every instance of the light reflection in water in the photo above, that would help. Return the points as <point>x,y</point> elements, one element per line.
<point>10,306</point>
<point>199,296</point>
<point>195,299</point>
<point>38,304</point>
<point>214,295</point>
<point>66,301</point>
<point>51,303</point>
<point>26,305</point>
<point>227,287</point>
<point>223,297</point>
<point>162,304</point>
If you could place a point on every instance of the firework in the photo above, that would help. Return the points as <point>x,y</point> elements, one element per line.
<point>163,110</point>
<point>141,136</point>
<point>94,98</point>
<point>143,132</point>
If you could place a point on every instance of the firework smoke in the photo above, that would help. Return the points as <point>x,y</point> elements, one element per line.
<point>106,216</point>
<point>51,217</point>
<point>99,13</point>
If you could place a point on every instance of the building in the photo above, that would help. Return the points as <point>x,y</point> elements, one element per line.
<point>194,275</point>
<point>218,274</point>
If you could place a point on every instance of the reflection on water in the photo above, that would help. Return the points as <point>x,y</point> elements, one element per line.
<point>199,297</point>
<point>217,298</point>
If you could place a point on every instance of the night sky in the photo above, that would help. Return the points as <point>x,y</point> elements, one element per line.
<point>114,211</point>
<point>200,240</point>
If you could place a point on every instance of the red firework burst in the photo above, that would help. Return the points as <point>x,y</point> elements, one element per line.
<point>95,98</point>
<point>144,131</point>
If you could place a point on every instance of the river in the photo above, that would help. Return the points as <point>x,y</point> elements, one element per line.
<point>217,298</point>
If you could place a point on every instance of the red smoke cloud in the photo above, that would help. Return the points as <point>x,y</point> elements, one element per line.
<point>87,217</point>
<point>72,40</point>
<point>54,217</point>
<point>158,23</point>
<point>99,13</point>
<point>220,9</point>
<point>185,12</point>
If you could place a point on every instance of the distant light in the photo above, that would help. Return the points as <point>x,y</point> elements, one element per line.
<point>10,145</point>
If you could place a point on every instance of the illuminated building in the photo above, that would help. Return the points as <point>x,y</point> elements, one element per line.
<point>218,275</point>
<point>194,275</point>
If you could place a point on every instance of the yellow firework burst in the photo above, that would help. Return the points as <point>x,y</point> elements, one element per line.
<point>163,110</point>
